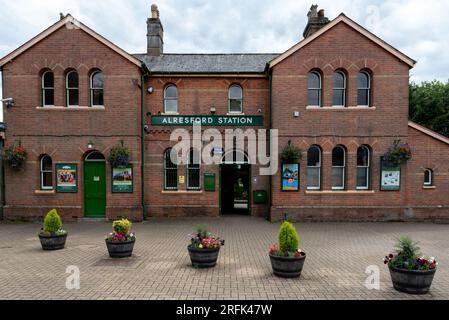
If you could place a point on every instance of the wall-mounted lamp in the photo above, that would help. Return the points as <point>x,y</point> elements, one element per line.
<point>259,110</point>
<point>9,102</point>
<point>296,114</point>
<point>213,110</point>
<point>150,90</point>
<point>90,145</point>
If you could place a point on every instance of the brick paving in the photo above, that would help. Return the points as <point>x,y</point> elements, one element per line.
<point>338,254</point>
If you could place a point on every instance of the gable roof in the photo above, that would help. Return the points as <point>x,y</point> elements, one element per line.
<point>207,63</point>
<point>344,19</point>
<point>68,19</point>
<point>428,132</point>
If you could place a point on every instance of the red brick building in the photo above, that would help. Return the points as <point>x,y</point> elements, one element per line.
<point>340,95</point>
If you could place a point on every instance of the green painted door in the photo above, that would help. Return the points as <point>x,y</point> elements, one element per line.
<point>95,189</point>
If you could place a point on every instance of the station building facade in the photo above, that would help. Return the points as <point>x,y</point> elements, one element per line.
<point>340,95</point>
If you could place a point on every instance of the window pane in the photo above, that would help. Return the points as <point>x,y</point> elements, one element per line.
<point>313,157</point>
<point>97,97</point>
<point>168,161</point>
<point>363,80</point>
<point>362,177</point>
<point>49,80</point>
<point>235,92</point>
<point>314,97</point>
<point>73,97</point>
<point>337,177</point>
<point>171,92</point>
<point>427,177</point>
<point>47,179</point>
<point>362,157</point>
<point>314,81</point>
<point>338,98</point>
<point>171,178</point>
<point>97,80</point>
<point>194,178</point>
<point>46,164</point>
<point>339,80</point>
<point>72,80</point>
<point>235,105</point>
<point>362,98</point>
<point>171,105</point>
<point>313,177</point>
<point>49,97</point>
<point>338,157</point>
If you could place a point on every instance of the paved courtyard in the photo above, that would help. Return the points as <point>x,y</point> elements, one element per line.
<point>337,257</point>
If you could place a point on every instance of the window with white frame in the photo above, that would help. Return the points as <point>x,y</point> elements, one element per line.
<point>46,172</point>
<point>171,99</point>
<point>338,168</point>
<point>97,89</point>
<point>235,99</point>
<point>428,178</point>
<point>314,168</point>
<point>193,170</point>
<point>48,89</point>
<point>364,89</point>
<point>339,89</point>
<point>72,89</point>
<point>363,168</point>
<point>314,86</point>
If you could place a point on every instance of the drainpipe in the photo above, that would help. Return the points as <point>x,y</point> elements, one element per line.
<point>270,124</point>
<point>142,143</point>
<point>2,167</point>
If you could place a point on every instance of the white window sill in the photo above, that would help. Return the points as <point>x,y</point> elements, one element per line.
<point>170,114</point>
<point>72,108</point>
<point>235,114</point>
<point>339,108</point>
<point>341,192</point>
<point>181,192</point>
<point>429,187</point>
<point>45,192</point>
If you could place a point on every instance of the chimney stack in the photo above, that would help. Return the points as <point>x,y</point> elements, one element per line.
<point>317,20</point>
<point>155,34</point>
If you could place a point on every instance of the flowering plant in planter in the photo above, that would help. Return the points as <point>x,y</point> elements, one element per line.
<point>398,153</point>
<point>122,231</point>
<point>291,153</point>
<point>203,239</point>
<point>410,271</point>
<point>119,156</point>
<point>15,156</point>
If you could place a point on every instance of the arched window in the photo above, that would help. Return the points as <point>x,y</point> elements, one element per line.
<point>428,178</point>
<point>171,99</point>
<point>363,168</point>
<point>72,89</point>
<point>364,89</point>
<point>314,86</point>
<point>170,172</point>
<point>339,96</point>
<point>193,170</point>
<point>235,99</point>
<point>338,168</point>
<point>96,89</point>
<point>48,89</point>
<point>46,172</point>
<point>314,168</point>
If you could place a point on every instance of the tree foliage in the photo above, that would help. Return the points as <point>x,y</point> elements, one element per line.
<point>429,105</point>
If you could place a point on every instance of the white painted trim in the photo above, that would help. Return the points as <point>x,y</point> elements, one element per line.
<point>75,24</point>
<point>342,18</point>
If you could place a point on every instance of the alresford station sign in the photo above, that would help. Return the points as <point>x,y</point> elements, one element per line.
<point>213,120</point>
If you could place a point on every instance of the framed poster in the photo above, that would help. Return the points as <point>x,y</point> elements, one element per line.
<point>122,180</point>
<point>66,177</point>
<point>390,176</point>
<point>290,177</point>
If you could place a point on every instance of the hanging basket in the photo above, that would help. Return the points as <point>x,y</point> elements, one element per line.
<point>15,157</point>
<point>398,154</point>
<point>291,154</point>
<point>119,157</point>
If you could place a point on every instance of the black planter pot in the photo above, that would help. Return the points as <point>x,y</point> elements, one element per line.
<point>52,242</point>
<point>287,267</point>
<point>120,249</point>
<point>413,282</point>
<point>203,258</point>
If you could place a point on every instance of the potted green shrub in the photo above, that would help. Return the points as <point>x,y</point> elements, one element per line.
<point>119,157</point>
<point>15,157</point>
<point>120,242</point>
<point>410,271</point>
<point>287,260</point>
<point>204,248</point>
<point>52,236</point>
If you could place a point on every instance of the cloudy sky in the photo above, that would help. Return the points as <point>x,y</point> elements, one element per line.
<point>418,28</point>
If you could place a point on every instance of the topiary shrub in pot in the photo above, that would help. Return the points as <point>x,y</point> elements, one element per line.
<point>204,248</point>
<point>410,271</point>
<point>52,236</point>
<point>120,243</point>
<point>287,260</point>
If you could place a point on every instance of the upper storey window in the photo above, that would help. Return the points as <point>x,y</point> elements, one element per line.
<point>339,94</point>
<point>48,89</point>
<point>72,89</point>
<point>235,99</point>
<point>364,89</point>
<point>96,89</point>
<point>314,89</point>
<point>171,99</point>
